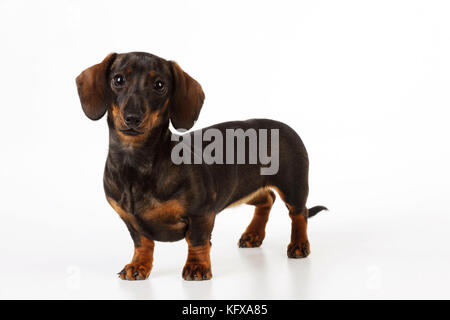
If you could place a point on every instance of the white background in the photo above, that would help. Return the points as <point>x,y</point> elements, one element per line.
<point>364,83</point>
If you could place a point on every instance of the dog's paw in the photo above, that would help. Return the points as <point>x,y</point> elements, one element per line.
<point>197,271</point>
<point>298,250</point>
<point>250,240</point>
<point>135,271</point>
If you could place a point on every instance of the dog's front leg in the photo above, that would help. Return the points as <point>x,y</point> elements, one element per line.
<point>140,266</point>
<point>198,237</point>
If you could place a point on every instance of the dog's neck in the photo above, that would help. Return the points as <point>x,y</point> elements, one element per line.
<point>144,152</point>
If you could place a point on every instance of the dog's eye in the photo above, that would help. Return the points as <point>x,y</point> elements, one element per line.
<point>118,80</point>
<point>158,85</point>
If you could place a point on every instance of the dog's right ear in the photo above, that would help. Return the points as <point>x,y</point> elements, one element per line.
<point>94,90</point>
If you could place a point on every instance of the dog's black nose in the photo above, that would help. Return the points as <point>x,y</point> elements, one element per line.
<point>133,120</point>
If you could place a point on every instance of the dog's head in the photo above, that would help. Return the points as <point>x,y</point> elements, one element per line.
<point>141,91</point>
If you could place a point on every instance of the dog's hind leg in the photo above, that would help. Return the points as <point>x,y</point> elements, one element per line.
<point>299,245</point>
<point>255,232</point>
<point>295,200</point>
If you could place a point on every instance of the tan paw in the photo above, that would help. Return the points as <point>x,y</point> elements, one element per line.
<point>298,250</point>
<point>135,271</point>
<point>197,271</point>
<point>251,239</point>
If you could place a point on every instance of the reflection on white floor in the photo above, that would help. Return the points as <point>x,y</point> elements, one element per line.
<point>353,256</point>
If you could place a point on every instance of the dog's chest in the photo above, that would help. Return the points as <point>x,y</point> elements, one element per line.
<point>135,197</point>
<point>145,213</point>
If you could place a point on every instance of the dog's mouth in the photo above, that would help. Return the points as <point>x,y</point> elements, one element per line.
<point>131,132</point>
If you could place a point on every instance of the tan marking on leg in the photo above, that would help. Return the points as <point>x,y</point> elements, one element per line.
<point>255,232</point>
<point>299,246</point>
<point>198,238</point>
<point>198,263</point>
<point>140,266</point>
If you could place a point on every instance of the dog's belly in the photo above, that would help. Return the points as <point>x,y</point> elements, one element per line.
<point>161,222</point>
<point>161,230</point>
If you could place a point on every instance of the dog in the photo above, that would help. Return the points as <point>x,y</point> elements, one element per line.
<point>162,201</point>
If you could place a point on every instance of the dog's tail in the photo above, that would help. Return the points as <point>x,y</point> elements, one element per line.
<point>315,210</point>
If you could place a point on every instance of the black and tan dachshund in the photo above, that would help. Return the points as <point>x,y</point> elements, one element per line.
<point>160,200</point>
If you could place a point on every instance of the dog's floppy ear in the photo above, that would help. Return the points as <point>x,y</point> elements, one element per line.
<point>93,88</point>
<point>187,99</point>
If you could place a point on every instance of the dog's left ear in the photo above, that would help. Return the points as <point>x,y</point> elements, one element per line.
<point>93,88</point>
<point>187,99</point>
